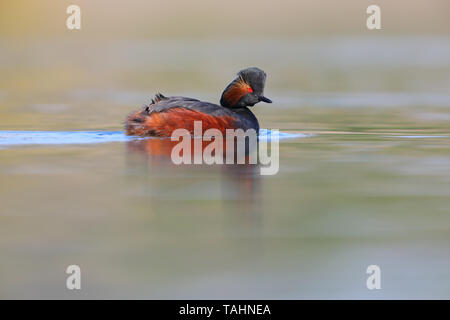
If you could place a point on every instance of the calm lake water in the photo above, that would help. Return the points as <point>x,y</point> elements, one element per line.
<point>369,184</point>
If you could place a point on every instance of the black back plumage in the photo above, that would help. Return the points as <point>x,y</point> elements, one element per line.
<point>245,119</point>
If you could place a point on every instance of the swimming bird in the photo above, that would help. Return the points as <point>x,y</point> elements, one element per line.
<point>165,114</point>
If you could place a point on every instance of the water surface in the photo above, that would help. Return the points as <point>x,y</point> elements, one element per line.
<point>369,184</point>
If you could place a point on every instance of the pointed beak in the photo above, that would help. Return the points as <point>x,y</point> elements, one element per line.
<point>262,98</point>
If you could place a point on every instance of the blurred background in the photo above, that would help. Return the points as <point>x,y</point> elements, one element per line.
<point>370,185</point>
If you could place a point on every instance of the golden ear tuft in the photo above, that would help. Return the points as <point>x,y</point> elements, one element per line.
<point>239,89</point>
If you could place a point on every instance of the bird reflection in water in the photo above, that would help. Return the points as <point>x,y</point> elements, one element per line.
<point>239,184</point>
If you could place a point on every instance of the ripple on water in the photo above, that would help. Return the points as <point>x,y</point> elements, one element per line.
<point>12,138</point>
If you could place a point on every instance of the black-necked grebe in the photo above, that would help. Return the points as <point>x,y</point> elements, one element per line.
<point>165,114</point>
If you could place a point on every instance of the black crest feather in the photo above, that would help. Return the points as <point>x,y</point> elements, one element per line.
<point>158,97</point>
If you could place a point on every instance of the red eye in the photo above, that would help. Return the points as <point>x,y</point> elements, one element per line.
<point>249,89</point>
